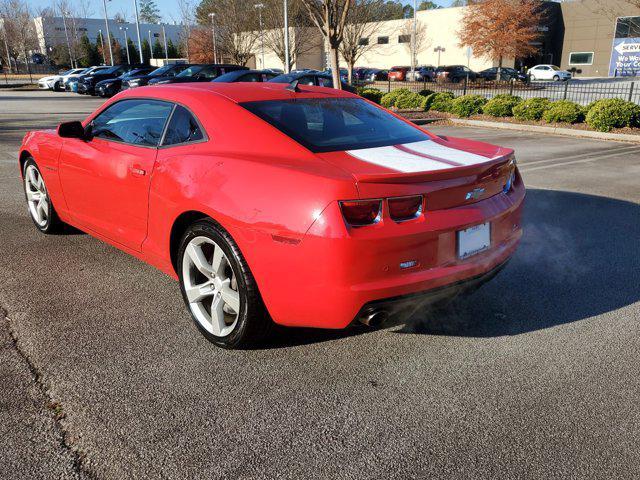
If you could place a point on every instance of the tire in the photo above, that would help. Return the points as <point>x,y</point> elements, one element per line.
<point>556,78</point>
<point>240,323</point>
<point>44,216</point>
<point>56,87</point>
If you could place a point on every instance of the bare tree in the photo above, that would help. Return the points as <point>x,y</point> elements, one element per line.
<point>363,20</point>
<point>236,27</point>
<point>421,39</point>
<point>185,7</point>
<point>330,16</point>
<point>299,25</point>
<point>18,30</point>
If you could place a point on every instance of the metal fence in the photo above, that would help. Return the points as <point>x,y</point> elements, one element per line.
<point>579,91</point>
<point>25,74</point>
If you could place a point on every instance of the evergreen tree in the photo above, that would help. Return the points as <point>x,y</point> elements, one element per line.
<point>158,49</point>
<point>149,12</point>
<point>88,53</point>
<point>171,49</point>
<point>146,51</point>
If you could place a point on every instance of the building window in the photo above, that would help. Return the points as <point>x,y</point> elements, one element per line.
<point>383,40</point>
<point>363,41</point>
<point>581,58</point>
<point>628,27</point>
<point>404,38</point>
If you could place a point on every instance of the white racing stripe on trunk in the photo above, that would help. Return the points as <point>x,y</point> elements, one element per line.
<point>394,159</point>
<point>406,162</point>
<point>429,147</point>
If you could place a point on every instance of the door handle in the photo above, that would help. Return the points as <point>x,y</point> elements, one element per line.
<point>136,171</point>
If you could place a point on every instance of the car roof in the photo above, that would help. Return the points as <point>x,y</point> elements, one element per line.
<point>237,92</point>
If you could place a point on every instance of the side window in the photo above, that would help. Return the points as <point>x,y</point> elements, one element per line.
<point>325,82</point>
<point>306,81</point>
<point>138,122</point>
<point>182,128</point>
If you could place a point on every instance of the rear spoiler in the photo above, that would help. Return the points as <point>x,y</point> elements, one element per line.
<point>485,169</point>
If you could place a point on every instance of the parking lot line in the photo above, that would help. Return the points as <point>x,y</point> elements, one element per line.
<point>619,151</point>
<point>560,164</point>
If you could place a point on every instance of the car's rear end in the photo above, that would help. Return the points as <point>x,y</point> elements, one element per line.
<point>398,74</point>
<point>432,216</point>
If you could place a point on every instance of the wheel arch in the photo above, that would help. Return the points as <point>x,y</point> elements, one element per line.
<point>24,155</point>
<point>180,225</point>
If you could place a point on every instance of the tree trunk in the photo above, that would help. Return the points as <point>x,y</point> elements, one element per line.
<point>335,67</point>
<point>350,66</point>
<point>499,72</point>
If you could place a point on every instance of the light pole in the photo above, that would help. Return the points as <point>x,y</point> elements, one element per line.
<point>150,45</point>
<point>104,55</point>
<point>413,39</point>
<point>439,50</point>
<point>286,38</point>
<point>135,7</point>
<point>66,34</point>
<point>259,7</point>
<point>213,36</point>
<point>106,24</point>
<point>126,42</point>
<point>164,37</point>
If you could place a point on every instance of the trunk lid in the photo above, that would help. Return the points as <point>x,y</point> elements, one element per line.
<point>449,171</point>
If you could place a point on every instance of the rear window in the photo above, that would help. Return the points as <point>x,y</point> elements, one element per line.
<point>332,124</point>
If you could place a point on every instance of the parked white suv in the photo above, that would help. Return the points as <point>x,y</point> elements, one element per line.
<point>56,82</point>
<point>548,72</point>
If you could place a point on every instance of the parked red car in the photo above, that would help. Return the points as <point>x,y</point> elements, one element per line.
<point>335,211</point>
<point>398,74</point>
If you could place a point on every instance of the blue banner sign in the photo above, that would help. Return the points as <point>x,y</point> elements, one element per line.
<point>625,57</point>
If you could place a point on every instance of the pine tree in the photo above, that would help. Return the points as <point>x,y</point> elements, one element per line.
<point>158,50</point>
<point>149,12</point>
<point>146,51</point>
<point>171,49</point>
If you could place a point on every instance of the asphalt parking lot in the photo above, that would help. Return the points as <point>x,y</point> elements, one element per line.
<point>103,375</point>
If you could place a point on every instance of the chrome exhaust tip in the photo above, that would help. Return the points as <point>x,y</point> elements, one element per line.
<point>373,317</point>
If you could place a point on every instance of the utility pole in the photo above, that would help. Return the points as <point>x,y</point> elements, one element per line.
<point>164,37</point>
<point>66,34</point>
<point>413,40</point>
<point>135,6</point>
<point>213,36</point>
<point>106,24</point>
<point>259,7</point>
<point>126,42</point>
<point>286,38</point>
<point>150,44</point>
<point>104,55</point>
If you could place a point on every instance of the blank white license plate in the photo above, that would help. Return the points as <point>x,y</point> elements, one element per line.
<point>474,240</point>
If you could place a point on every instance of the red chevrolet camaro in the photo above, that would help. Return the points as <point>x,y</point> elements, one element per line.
<point>305,206</point>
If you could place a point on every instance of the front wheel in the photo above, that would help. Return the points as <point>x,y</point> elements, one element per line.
<point>219,289</point>
<point>556,78</point>
<point>40,207</point>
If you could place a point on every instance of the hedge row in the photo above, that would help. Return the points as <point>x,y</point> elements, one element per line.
<point>602,115</point>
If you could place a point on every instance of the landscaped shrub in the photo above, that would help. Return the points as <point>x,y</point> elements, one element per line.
<point>409,100</point>
<point>563,111</point>
<point>372,94</point>
<point>440,102</point>
<point>389,99</point>
<point>426,92</point>
<point>501,105</point>
<point>611,113</point>
<point>531,109</point>
<point>467,105</point>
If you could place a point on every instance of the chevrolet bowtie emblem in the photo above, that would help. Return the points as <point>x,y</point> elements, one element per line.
<point>474,194</point>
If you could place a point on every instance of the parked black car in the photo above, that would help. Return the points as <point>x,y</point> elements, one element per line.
<point>318,79</point>
<point>246,76</point>
<point>455,74</point>
<point>198,73</point>
<point>166,71</point>
<point>376,74</point>
<point>424,73</point>
<point>108,88</point>
<point>506,73</point>
<point>87,83</point>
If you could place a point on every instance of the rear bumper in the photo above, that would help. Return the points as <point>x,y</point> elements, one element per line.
<point>328,278</point>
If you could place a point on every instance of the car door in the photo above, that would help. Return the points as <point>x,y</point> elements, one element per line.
<point>105,178</point>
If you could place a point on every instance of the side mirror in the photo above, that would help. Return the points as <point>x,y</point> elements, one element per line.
<point>71,130</point>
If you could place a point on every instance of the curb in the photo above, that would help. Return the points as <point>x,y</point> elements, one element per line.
<point>617,137</point>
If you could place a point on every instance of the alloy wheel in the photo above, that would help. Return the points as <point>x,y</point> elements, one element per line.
<point>37,197</point>
<point>210,286</point>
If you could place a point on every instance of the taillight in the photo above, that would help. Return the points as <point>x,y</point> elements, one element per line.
<point>511,176</point>
<point>405,208</point>
<point>358,213</point>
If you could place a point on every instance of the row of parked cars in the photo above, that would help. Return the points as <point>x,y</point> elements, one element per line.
<point>456,74</point>
<point>106,81</point>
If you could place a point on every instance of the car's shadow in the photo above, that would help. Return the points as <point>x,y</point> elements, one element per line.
<point>579,257</point>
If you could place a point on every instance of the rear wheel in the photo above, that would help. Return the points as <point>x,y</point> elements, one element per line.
<point>40,207</point>
<point>556,78</point>
<point>219,289</point>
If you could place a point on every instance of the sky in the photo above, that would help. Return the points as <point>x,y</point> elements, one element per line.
<point>168,8</point>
